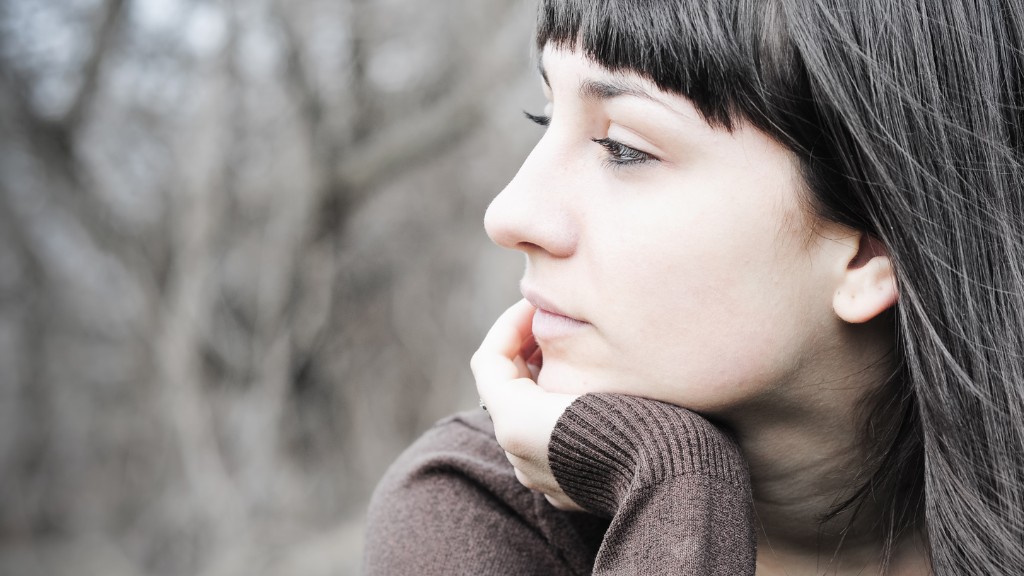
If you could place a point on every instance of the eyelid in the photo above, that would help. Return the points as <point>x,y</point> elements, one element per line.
<point>621,155</point>
<point>541,120</point>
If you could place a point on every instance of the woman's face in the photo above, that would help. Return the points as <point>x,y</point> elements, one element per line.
<point>667,258</point>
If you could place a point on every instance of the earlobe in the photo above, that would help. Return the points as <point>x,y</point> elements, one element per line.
<point>868,287</point>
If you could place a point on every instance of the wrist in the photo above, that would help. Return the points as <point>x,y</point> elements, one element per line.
<point>605,445</point>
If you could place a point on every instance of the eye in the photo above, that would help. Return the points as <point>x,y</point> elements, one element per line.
<point>621,155</point>
<point>539,120</point>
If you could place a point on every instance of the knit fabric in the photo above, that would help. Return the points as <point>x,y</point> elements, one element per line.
<point>667,494</point>
<point>676,487</point>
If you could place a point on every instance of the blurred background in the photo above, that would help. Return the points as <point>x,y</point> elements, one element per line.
<point>242,266</point>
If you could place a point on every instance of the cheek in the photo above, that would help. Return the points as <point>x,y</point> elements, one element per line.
<point>696,276</point>
<point>703,311</point>
<point>711,363</point>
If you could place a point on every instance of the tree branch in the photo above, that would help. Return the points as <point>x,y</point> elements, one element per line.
<point>311,106</point>
<point>104,37</point>
<point>412,139</point>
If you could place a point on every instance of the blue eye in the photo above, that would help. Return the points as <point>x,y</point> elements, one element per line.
<point>621,155</point>
<point>539,120</point>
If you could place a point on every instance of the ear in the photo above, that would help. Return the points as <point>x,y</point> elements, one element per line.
<point>868,286</point>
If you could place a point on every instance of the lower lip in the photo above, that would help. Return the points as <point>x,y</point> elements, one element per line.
<point>548,326</point>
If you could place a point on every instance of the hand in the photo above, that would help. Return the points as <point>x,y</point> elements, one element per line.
<point>523,414</point>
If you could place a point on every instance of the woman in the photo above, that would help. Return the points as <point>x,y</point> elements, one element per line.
<point>774,304</point>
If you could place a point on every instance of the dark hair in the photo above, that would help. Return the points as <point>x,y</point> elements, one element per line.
<point>907,121</point>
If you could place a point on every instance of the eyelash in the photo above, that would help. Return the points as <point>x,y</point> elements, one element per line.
<point>539,120</point>
<point>619,154</point>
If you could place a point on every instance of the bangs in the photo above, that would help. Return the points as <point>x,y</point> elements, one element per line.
<point>731,58</point>
<point>735,60</point>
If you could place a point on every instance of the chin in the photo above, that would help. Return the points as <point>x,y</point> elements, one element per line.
<point>566,378</point>
<point>560,379</point>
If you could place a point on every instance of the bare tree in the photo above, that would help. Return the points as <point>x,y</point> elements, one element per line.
<point>241,267</point>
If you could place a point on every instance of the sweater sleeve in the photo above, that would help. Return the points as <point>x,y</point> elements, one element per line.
<point>675,487</point>
<point>451,505</point>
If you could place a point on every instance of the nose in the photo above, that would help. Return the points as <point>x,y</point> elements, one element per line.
<point>534,213</point>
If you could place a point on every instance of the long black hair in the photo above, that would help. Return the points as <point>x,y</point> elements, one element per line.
<point>908,121</point>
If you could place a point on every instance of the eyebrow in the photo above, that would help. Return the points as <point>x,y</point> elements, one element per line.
<point>606,89</point>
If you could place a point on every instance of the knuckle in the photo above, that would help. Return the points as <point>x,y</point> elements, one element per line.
<point>512,444</point>
<point>475,361</point>
<point>525,480</point>
<point>478,365</point>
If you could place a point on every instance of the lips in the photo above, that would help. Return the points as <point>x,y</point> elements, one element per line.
<point>550,322</point>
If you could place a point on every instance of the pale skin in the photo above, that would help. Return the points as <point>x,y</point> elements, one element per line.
<point>678,261</point>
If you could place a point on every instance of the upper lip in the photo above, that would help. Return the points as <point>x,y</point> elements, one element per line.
<point>541,303</point>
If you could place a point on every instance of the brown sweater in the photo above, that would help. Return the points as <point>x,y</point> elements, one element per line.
<point>667,493</point>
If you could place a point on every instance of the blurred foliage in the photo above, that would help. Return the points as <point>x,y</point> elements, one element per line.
<point>242,266</point>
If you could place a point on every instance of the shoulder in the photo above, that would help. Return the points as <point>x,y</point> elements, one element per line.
<point>456,458</point>
<point>451,503</point>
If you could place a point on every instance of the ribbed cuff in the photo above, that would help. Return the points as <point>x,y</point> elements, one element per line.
<point>605,445</point>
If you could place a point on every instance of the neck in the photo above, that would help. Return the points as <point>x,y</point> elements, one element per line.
<point>800,473</point>
<point>807,455</point>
